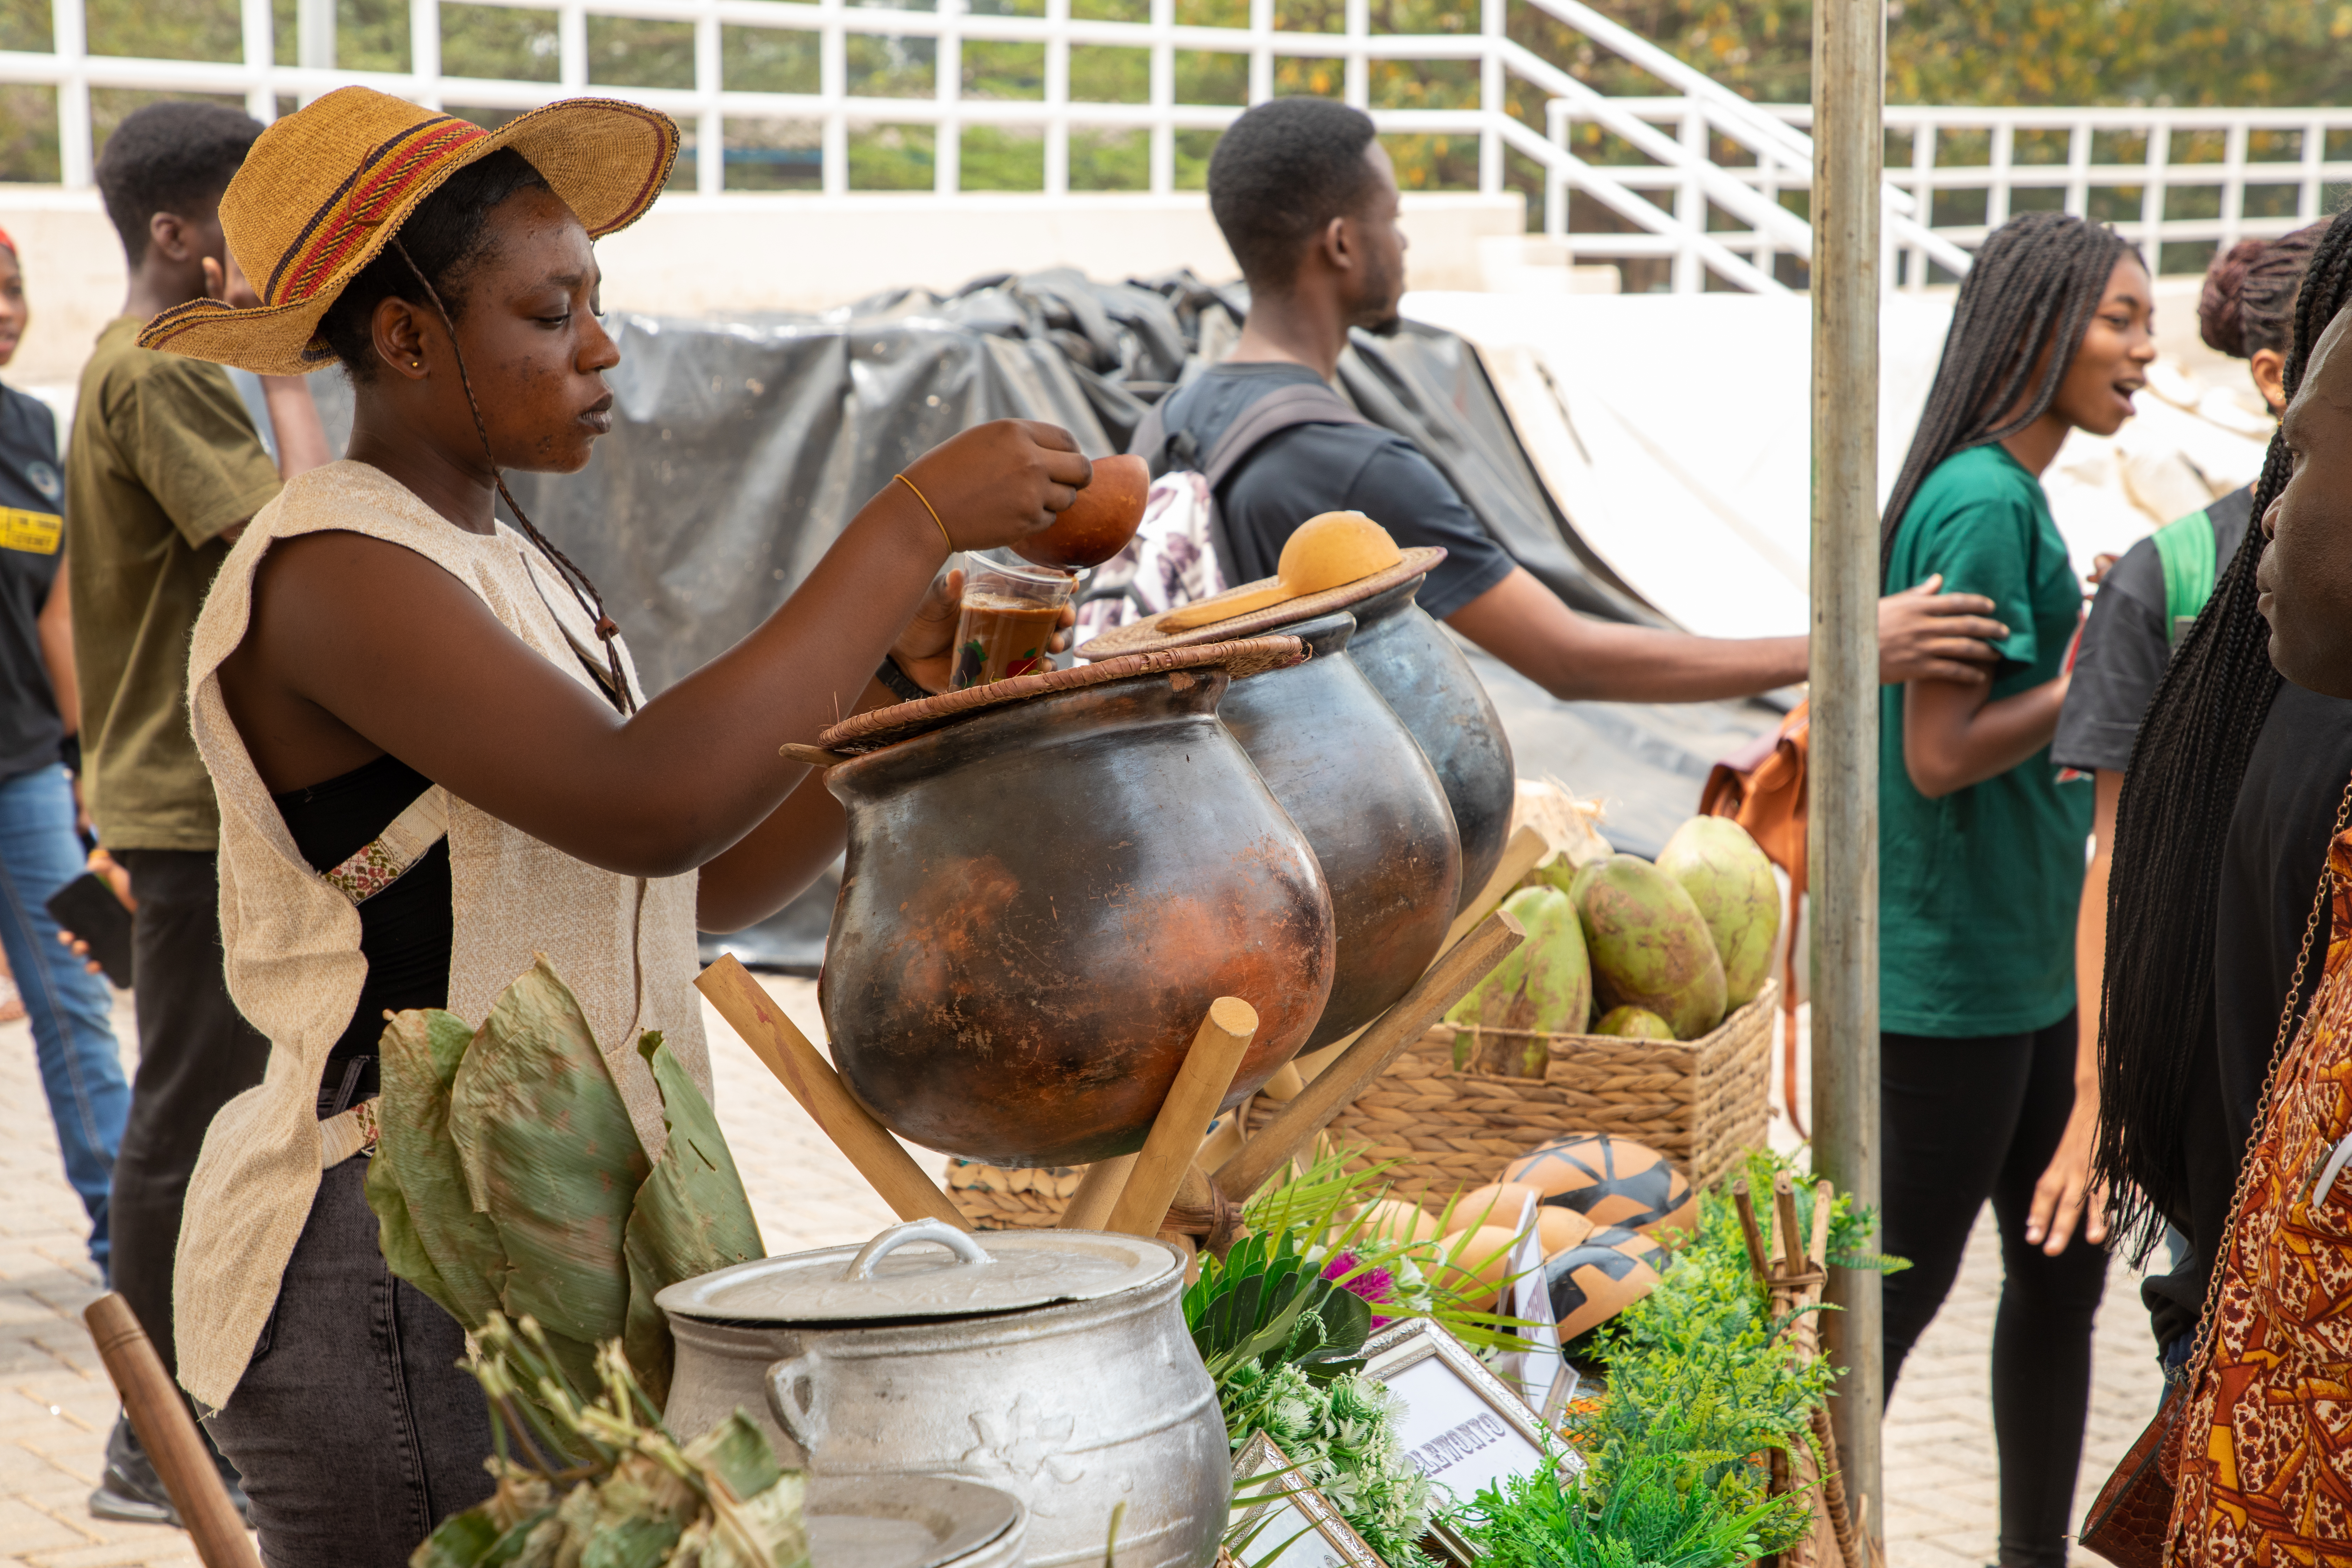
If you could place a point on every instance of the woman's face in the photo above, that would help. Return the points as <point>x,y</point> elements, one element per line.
<point>2305,576</point>
<point>2112,363</point>
<point>534,347</point>
<point>13,311</point>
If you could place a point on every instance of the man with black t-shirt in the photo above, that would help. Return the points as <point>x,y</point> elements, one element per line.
<point>1308,201</point>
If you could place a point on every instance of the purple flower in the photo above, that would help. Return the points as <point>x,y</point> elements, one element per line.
<point>1372,1284</point>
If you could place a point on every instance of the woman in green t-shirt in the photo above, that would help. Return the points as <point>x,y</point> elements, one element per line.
<point>1981,849</point>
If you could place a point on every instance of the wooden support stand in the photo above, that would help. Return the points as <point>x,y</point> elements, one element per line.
<point>1793,1273</point>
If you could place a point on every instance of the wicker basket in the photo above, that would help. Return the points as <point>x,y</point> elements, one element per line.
<point>1698,1102</point>
<point>1007,1197</point>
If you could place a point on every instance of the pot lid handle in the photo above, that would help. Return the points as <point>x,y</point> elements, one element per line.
<point>968,1251</point>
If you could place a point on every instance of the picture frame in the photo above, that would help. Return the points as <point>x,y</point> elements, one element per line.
<point>1299,1529</point>
<point>1461,1424</point>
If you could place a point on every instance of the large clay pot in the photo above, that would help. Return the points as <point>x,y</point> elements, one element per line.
<point>1351,777</point>
<point>1040,901</point>
<point>1411,661</point>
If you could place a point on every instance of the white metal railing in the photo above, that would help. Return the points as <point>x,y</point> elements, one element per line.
<point>1705,181</point>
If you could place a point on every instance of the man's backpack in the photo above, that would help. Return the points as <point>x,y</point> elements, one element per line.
<point>1180,553</point>
<point>2184,547</point>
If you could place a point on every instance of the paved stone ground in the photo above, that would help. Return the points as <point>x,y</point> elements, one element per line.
<point>56,1403</point>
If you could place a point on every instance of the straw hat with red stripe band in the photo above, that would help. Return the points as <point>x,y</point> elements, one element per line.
<point>324,189</point>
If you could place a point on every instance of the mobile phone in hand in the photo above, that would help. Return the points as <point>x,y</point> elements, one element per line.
<point>88,908</point>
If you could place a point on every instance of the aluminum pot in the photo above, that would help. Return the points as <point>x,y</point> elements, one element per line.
<point>1054,1365</point>
<point>1354,779</point>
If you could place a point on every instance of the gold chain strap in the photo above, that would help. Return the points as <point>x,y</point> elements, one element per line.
<point>2205,1321</point>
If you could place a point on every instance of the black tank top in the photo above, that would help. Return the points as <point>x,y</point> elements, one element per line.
<point>405,931</point>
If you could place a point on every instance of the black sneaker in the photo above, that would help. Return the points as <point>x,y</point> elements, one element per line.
<point>130,1492</point>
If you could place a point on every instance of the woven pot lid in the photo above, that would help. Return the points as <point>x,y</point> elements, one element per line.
<point>924,1269</point>
<point>1143,637</point>
<point>887,726</point>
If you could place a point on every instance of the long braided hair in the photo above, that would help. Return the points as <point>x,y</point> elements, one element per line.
<point>2020,314</point>
<point>2179,793</point>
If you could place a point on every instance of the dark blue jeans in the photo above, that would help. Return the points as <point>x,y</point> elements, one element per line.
<point>354,1427</point>
<point>71,1010</point>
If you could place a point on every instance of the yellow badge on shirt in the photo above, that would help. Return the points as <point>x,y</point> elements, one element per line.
<point>35,532</point>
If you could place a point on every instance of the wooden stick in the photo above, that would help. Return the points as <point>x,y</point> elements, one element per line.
<point>1223,1039</point>
<point>1833,1489</point>
<point>1789,1230</point>
<point>747,1008</point>
<point>1519,856</point>
<point>169,1435</point>
<point>1291,1129</point>
<point>1758,1258</point>
<point>1099,1189</point>
<point>1818,1252</point>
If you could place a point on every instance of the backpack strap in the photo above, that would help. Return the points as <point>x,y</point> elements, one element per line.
<point>2185,549</point>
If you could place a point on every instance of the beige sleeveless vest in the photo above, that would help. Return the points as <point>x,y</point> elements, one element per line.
<point>625,945</point>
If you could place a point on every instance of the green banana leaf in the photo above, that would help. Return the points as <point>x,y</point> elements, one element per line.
<point>550,1155</point>
<point>690,1217</point>
<point>431,1236</point>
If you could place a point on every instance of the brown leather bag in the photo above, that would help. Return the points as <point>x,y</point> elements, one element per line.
<point>1762,788</point>
<point>2133,1513</point>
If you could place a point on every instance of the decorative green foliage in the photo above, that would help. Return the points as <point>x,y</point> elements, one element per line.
<point>1660,1513</point>
<point>1264,1304</point>
<point>1341,1437</point>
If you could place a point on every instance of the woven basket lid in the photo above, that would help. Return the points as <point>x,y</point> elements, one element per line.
<point>887,726</point>
<point>1142,636</point>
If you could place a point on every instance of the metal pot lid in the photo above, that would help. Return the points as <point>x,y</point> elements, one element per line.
<point>960,1275</point>
<point>904,1522</point>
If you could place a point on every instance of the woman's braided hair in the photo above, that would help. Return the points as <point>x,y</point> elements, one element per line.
<point>2248,301</point>
<point>2179,793</point>
<point>2036,280</point>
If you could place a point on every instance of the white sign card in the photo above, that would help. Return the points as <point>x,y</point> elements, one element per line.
<point>1297,1529</point>
<point>1535,1369</point>
<point>1461,1424</point>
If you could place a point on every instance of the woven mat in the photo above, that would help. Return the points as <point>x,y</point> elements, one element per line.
<point>886,726</point>
<point>1140,636</point>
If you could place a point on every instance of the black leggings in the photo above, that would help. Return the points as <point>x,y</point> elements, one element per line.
<point>1963,1121</point>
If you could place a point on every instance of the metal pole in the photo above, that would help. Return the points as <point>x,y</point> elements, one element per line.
<point>1849,52</point>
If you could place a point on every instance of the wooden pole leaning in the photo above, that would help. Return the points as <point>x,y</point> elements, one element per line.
<point>1090,1207</point>
<point>1293,1127</point>
<point>1218,1046</point>
<point>169,1435</point>
<point>800,1068</point>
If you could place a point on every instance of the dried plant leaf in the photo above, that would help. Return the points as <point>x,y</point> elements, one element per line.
<point>432,1236</point>
<point>550,1155</point>
<point>690,1217</point>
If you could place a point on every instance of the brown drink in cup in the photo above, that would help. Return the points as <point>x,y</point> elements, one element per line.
<point>1011,610</point>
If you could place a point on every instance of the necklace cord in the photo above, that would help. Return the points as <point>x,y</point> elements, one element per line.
<point>582,589</point>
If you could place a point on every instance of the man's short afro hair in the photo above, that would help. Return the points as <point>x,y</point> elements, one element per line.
<point>176,156</point>
<point>1280,173</point>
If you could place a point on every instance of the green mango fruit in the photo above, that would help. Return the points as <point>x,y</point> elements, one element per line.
<point>1633,1023</point>
<point>1730,879</point>
<point>1649,946</point>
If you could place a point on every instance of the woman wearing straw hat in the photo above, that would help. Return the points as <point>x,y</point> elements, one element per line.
<point>433,761</point>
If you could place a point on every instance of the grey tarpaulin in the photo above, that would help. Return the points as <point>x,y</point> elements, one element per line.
<point>742,447</point>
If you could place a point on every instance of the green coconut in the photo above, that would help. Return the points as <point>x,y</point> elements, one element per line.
<point>1649,946</point>
<point>1630,1023</point>
<point>1490,1000</point>
<point>1731,881</point>
<point>1558,998</point>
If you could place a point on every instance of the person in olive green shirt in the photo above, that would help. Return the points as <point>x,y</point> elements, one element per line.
<point>163,469</point>
<point>1981,848</point>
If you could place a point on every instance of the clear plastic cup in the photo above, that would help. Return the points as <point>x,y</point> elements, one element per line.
<point>1012,609</point>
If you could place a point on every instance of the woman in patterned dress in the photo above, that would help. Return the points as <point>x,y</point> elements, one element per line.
<point>2264,1447</point>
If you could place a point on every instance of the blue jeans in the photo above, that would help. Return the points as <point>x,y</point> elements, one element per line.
<point>71,1009</point>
